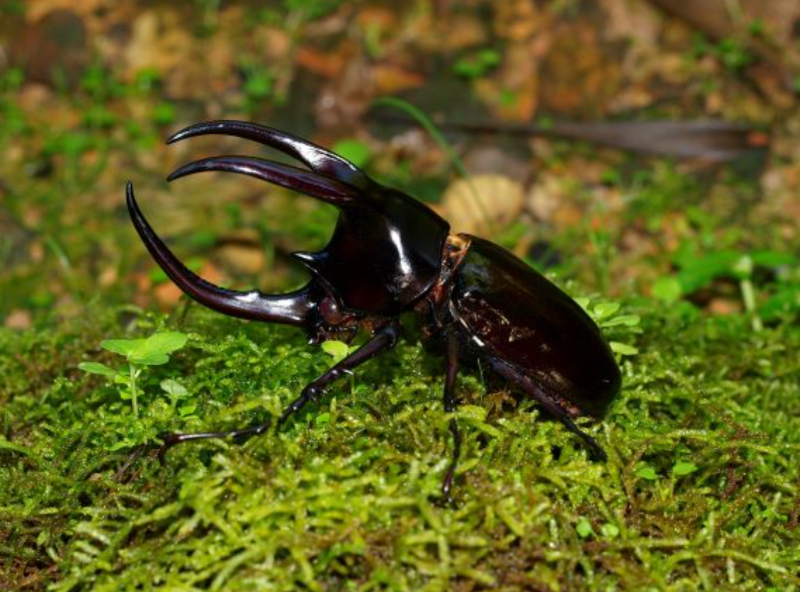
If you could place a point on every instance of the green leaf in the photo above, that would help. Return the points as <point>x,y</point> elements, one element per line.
<point>125,443</point>
<point>337,349</point>
<point>166,343</point>
<point>187,410</point>
<point>699,272</point>
<point>627,320</point>
<point>584,528</point>
<point>623,349</point>
<point>603,310</point>
<point>785,301</point>
<point>97,368</point>
<point>610,531</point>
<point>174,388</point>
<point>478,64</point>
<point>647,473</point>
<point>684,468</point>
<point>583,302</point>
<point>154,350</point>
<point>122,377</point>
<point>667,289</point>
<point>123,347</point>
<point>353,150</point>
<point>774,259</point>
<point>149,359</point>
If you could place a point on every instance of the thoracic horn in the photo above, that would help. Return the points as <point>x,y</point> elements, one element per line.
<point>310,183</point>
<point>315,157</point>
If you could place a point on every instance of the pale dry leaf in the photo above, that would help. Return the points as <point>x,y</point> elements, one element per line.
<point>482,203</point>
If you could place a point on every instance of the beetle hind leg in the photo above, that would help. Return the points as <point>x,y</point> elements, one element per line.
<point>527,385</point>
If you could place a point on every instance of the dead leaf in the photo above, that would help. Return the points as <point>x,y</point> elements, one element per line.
<point>482,203</point>
<point>517,19</point>
<point>19,320</point>
<point>581,77</point>
<point>392,78</point>
<point>323,63</point>
<point>512,93</point>
<point>58,42</point>
<point>461,32</point>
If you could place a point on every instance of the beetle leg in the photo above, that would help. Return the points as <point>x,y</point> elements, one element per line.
<point>383,339</point>
<point>450,407</point>
<point>316,158</point>
<point>292,308</point>
<point>526,384</point>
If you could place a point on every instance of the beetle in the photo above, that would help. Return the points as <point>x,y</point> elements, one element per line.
<point>391,254</point>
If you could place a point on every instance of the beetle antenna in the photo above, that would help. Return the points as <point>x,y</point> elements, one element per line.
<point>315,157</point>
<point>292,308</point>
<point>328,190</point>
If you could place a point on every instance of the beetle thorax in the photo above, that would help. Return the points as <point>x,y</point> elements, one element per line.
<point>433,309</point>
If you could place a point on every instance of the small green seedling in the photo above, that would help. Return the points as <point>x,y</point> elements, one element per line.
<point>605,315</point>
<point>353,150</point>
<point>176,391</point>
<point>478,64</point>
<point>339,350</point>
<point>779,294</point>
<point>139,353</point>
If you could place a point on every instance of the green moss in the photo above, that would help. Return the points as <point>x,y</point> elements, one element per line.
<point>700,490</point>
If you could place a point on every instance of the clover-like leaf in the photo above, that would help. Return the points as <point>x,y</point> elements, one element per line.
<point>97,368</point>
<point>338,350</point>
<point>584,528</point>
<point>647,473</point>
<point>123,347</point>
<point>166,342</point>
<point>603,310</point>
<point>149,358</point>
<point>683,468</point>
<point>174,388</point>
<point>626,320</point>
<point>623,349</point>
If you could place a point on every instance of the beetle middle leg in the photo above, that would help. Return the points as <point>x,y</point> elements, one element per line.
<point>450,407</point>
<point>526,384</point>
<point>383,340</point>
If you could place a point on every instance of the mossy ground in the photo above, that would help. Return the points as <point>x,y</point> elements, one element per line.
<point>346,496</point>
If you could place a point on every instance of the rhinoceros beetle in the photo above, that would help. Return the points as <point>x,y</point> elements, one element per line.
<point>391,254</point>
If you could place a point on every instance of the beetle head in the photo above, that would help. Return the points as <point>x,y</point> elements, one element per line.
<point>384,253</point>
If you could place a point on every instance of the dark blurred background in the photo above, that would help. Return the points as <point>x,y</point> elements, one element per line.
<point>90,88</point>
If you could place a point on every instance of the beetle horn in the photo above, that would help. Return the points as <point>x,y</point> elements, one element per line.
<point>292,308</point>
<point>316,158</point>
<point>328,190</point>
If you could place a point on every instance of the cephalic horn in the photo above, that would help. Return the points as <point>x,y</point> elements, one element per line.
<point>315,157</point>
<point>292,308</point>
<point>328,190</point>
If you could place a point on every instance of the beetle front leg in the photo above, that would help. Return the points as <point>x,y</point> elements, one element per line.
<point>526,384</point>
<point>383,340</point>
<point>450,407</point>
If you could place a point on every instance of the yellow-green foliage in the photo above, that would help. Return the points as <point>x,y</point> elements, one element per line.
<point>699,493</point>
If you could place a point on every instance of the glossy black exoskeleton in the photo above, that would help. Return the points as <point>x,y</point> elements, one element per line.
<point>390,254</point>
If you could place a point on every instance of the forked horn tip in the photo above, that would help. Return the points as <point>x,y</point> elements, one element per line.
<point>186,132</point>
<point>129,197</point>
<point>201,129</point>
<point>183,171</point>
